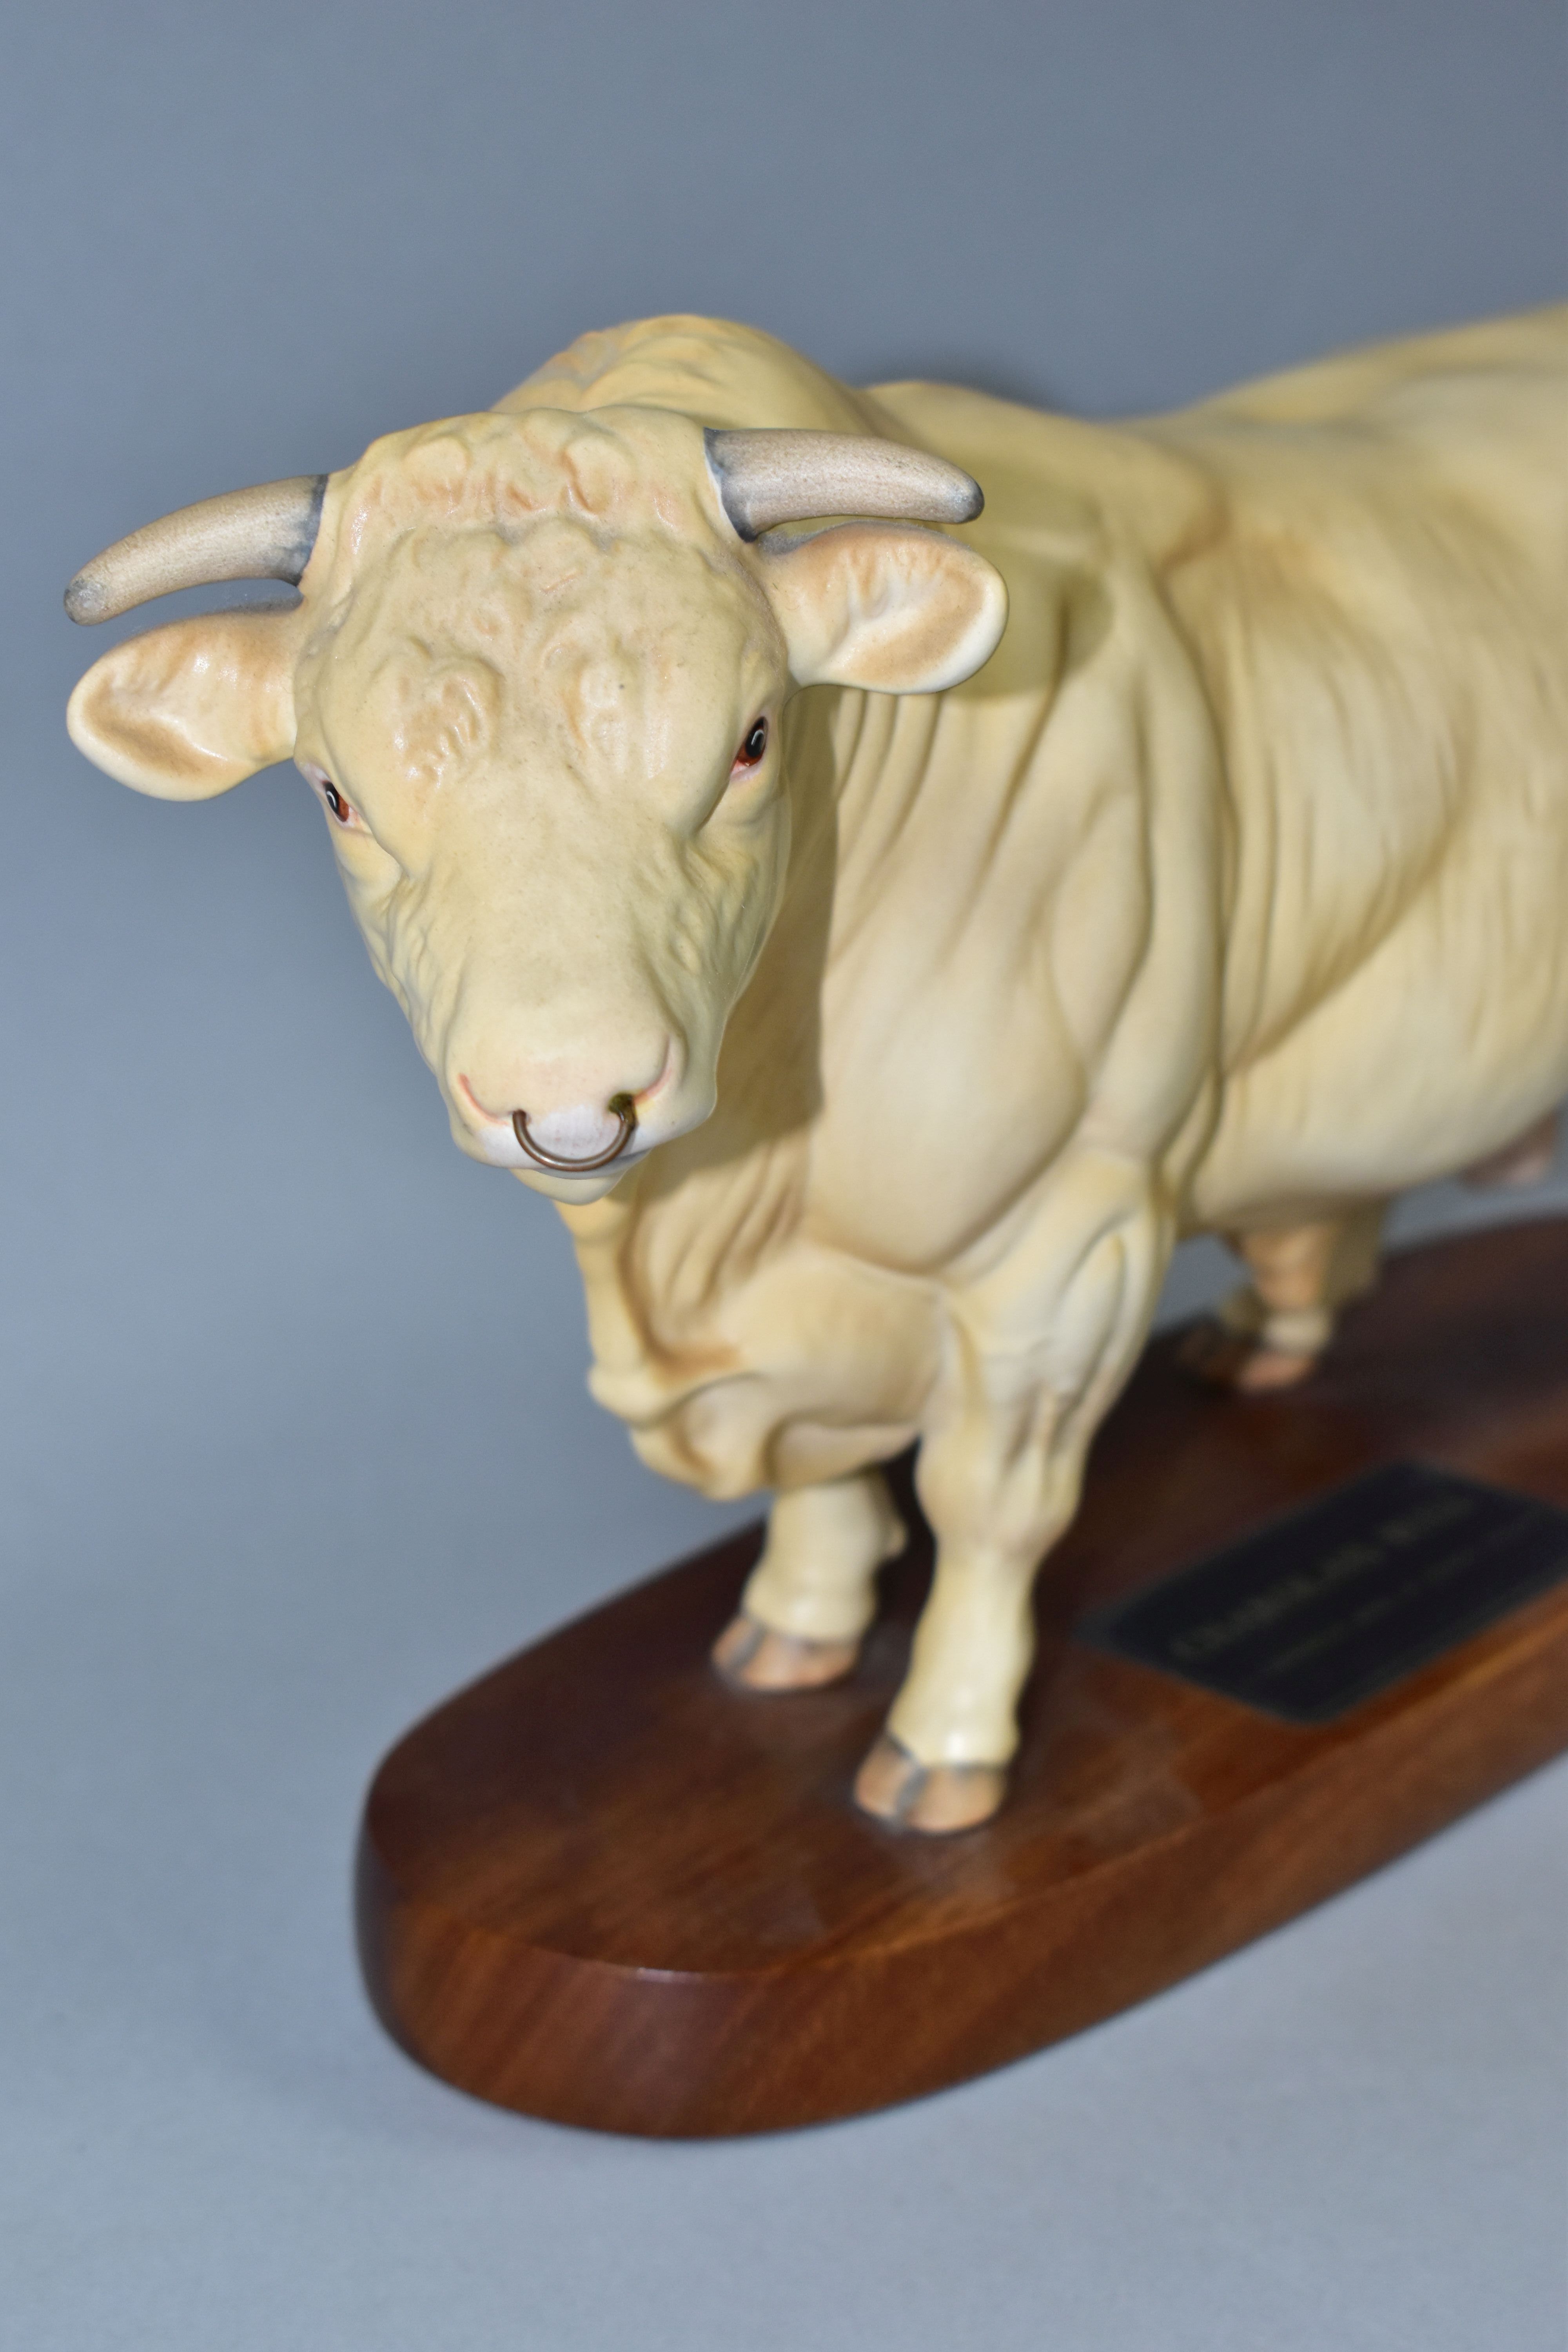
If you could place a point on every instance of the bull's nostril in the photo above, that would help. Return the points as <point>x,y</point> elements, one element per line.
<point>625,1113</point>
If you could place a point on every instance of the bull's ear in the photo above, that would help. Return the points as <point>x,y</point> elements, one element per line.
<point>885,605</point>
<point>188,711</point>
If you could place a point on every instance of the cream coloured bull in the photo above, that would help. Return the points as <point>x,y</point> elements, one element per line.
<point>879,1040</point>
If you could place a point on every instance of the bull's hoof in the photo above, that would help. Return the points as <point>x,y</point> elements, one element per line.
<point>1237,1360</point>
<point>757,1658</point>
<point>936,1798</point>
<point>1273,1367</point>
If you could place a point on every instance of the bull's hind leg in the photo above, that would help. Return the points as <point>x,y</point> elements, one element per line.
<point>1527,1160</point>
<point>813,1593</point>
<point>1271,1332</point>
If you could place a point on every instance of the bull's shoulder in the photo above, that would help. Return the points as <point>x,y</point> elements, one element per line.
<point>1058,484</point>
<point>714,369</point>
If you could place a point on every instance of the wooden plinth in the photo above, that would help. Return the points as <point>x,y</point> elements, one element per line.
<point>601,1886</point>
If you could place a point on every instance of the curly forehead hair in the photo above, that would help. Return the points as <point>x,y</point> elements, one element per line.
<point>544,589</point>
<point>547,629</point>
<point>612,471</point>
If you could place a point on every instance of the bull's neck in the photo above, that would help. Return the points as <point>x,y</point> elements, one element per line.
<point>856,764</point>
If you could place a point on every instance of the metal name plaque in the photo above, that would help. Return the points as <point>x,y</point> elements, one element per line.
<point>1317,1611</point>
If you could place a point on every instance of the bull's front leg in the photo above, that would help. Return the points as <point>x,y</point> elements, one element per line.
<point>1039,1349</point>
<point>813,1593</point>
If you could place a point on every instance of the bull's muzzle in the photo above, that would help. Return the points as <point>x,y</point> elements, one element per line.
<point>625,1112</point>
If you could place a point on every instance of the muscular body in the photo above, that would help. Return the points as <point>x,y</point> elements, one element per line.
<point>1224,893</point>
<point>1228,896</point>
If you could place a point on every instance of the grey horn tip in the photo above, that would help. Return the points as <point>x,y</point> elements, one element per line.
<point>767,476</point>
<point>267,532</point>
<point>85,598</point>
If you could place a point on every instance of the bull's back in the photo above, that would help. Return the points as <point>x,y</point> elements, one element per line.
<point>1383,625</point>
<point>1501,371</point>
<point>1471,423</point>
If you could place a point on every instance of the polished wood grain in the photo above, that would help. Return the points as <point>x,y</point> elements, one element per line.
<point>603,1887</point>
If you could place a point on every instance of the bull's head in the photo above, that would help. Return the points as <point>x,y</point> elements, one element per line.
<point>535,677</point>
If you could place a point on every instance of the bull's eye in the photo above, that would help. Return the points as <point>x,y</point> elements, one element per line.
<point>755,744</point>
<point>338,805</point>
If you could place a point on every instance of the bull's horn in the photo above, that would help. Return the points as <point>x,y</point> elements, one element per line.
<point>264,533</point>
<point>780,474</point>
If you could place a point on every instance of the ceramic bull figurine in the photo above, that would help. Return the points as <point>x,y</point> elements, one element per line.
<point>880,995</point>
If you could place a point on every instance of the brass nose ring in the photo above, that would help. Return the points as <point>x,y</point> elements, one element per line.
<point>626,1111</point>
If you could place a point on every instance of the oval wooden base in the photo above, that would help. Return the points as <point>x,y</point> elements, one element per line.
<point>601,1885</point>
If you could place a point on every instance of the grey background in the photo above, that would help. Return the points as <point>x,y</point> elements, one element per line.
<point>295,1437</point>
